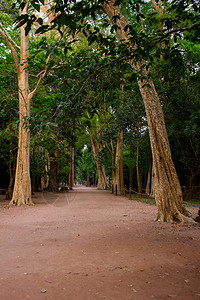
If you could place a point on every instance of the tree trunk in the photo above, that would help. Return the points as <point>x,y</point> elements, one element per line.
<point>53,180</point>
<point>152,193</point>
<point>102,181</point>
<point>88,181</point>
<point>22,187</point>
<point>137,165</point>
<point>71,173</point>
<point>113,168</point>
<point>168,194</point>
<point>121,164</point>
<point>148,180</point>
<point>131,170</point>
<point>117,167</point>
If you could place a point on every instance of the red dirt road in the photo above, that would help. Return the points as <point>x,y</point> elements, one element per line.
<point>89,245</point>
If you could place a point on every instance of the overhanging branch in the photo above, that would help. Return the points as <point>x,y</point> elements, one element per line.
<point>7,40</point>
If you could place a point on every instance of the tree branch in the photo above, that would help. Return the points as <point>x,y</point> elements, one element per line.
<point>6,39</point>
<point>9,38</point>
<point>44,73</point>
<point>41,78</point>
<point>157,40</point>
<point>53,68</point>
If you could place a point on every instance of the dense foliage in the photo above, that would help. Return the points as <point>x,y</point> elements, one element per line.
<point>91,88</point>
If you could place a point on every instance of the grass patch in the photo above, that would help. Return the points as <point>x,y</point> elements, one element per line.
<point>151,201</point>
<point>143,200</point>
<point>191,203</point>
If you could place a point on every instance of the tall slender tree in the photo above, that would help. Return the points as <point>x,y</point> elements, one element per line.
<point>22,186</point>
<point>168,194</point>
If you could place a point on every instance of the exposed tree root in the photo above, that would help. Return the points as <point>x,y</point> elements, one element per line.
<point>175,218</point>
<point>20,202</point>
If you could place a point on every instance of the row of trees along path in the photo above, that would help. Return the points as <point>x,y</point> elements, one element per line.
<point>168,192</point>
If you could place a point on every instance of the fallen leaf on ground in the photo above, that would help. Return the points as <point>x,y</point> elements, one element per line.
<point>186,280</point>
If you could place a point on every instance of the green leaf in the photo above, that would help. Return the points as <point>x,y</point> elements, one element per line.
<point>40,21</point>
<point>42,29</point>
<point>35,5</point>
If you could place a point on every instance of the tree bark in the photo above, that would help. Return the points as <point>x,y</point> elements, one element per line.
<point>102,181</point>
<point>88,181</point>
<point>53,178</point>
<point>148,180</point>
<point>137,165</point>
<point>22,187</point>
<point>131,169</point>
<point>121,164</point>
<point>117,183</point>
<point>71,173</point>
<point>168,194</point>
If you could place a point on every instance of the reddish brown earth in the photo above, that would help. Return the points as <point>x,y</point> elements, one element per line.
<point>93,245</point>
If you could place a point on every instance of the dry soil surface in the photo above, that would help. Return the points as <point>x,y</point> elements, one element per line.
<point>93,245</point>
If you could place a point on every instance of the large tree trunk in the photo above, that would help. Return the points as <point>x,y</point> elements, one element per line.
<point>168,192</point>
<point>22,187</point>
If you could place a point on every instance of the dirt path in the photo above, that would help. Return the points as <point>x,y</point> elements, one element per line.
<point>92,245</point>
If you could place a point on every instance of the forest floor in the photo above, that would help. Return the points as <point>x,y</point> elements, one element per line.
<point>90,245</point>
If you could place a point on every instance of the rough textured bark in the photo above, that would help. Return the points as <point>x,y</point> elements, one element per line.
<point>152,193</point>
<point>71,173</point>
<point>168,192</point>
<point>22,187</point>
<point>148,185</point>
